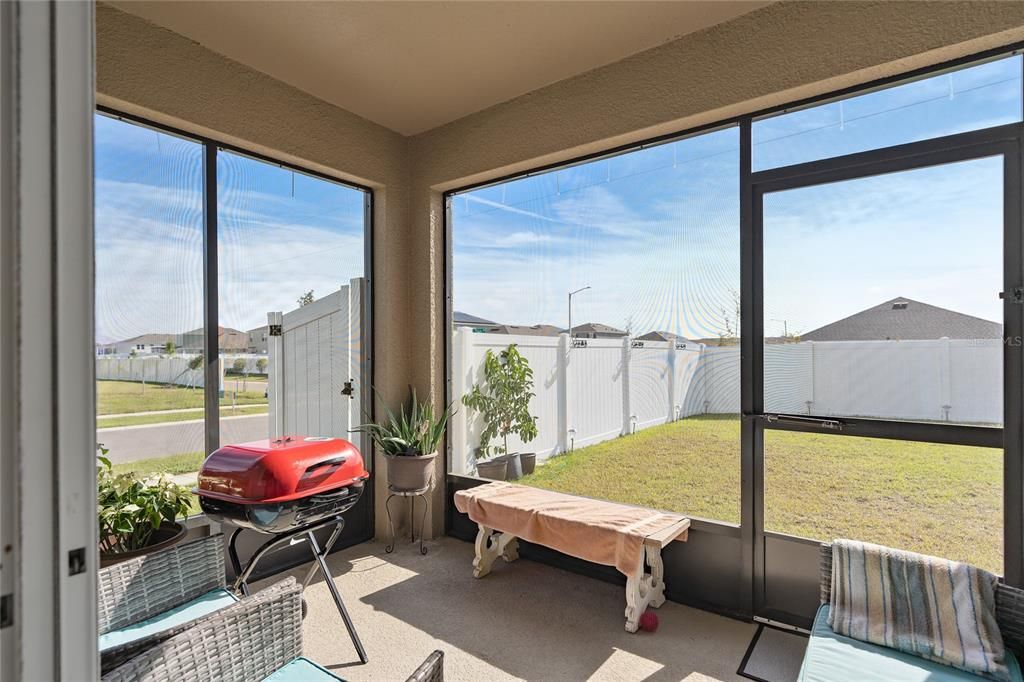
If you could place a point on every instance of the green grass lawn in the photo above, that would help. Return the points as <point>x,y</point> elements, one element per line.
<point>122,397</point>
<point>182,463</point>
<point>160,418</point>
<point>938,499</point>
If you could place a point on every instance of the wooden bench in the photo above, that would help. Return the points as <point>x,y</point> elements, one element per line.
<point>645,578</point>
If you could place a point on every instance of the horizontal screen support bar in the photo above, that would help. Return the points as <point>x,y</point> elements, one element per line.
<point>924,432</point>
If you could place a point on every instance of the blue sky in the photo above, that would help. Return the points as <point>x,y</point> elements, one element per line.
<point>656,232</point>
<point>280,235</point>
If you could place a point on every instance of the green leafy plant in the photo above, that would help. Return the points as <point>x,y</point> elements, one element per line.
<point>261,365</point>
<point>131,509</point>
<point>414,431</point>
<point>503,400</point>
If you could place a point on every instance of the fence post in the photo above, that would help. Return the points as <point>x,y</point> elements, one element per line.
<point>275,375</point>
<point>627,421</point>
<point>671,417</point>
<point>814,377</point>
<point>562,382</point>
<point>945,377</point>
<point>459,433</point>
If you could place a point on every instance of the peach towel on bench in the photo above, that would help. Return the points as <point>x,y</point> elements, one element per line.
<point>602,532</point>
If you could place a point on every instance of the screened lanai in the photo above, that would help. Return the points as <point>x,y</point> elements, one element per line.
<point>689,312</point>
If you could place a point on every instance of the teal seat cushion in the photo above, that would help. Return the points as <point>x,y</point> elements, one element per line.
<point>832,658</point>
<point>302,670</point>
<point>197,608</point>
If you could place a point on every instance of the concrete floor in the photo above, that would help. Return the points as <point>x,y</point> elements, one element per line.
<point>525,621</point>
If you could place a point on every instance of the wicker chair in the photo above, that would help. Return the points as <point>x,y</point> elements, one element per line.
<point>247,642</point>
<point>431,670</point>
<point>188,578</point>
<point>1009,604</point>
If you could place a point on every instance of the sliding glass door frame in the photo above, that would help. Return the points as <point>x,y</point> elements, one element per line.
<point>1003,141</point>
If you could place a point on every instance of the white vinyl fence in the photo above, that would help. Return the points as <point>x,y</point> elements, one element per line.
<point>315,367</point>
<point>610,387</point>
<point>159,370</point>
<point>584,395</point>
<point>251,363</point>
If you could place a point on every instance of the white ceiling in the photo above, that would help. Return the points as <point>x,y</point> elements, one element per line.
<point>412,66</point>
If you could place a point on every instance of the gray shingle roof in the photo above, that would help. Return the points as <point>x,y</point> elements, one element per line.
<point>460,318</point>
<point>664,336</point>
<point>904,318</point>
<point>524,330</point>
<point>148,339</point>
<point>596,328</point>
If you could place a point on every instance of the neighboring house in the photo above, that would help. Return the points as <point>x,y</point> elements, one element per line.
<point>665,336</point>
<point>189,343</point>
<point>526,330</point>
<point>232,340</point>
<point>229,341</point>
<point>596,330</point>
<point>460,319</point>
<point>258,339</point>
<point>905,319</point>
<point>144,344</point>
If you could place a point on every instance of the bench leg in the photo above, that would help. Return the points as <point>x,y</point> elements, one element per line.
<point>646,589</point>
<point>489,545</point>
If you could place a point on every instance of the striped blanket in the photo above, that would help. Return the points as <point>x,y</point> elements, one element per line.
<point>933,608</point>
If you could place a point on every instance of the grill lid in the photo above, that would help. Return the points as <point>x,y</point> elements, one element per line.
<point>280,470</point>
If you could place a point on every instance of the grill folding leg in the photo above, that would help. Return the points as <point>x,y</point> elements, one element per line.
<point>306,533</point>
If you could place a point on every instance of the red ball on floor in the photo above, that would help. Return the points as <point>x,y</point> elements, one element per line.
<point>648,621</point>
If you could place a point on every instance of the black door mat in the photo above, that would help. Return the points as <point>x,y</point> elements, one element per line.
<point>774,655</point>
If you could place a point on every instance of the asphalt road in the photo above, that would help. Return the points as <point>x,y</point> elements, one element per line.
<point>131,443</point>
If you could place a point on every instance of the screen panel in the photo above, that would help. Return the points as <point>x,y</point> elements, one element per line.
<point>638,255</point>
<point>149,298</point>
<point>938,499</point>
<point>882,296</point>
<point>969,98</point>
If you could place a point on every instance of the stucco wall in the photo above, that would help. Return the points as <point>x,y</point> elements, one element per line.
<point>778,54</point>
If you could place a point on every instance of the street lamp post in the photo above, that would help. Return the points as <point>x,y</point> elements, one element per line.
<point>571,294</point>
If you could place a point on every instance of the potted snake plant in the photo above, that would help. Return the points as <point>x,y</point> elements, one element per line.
<point>409,441</point>
<point>137,515</point>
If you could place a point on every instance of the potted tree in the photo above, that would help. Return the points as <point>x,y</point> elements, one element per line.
<point>409,441</point>
<point>137,516</point>
<point>503,402</point>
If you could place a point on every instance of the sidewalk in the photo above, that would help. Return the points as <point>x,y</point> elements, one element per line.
<point>178,410</point>
<point>135,414</point>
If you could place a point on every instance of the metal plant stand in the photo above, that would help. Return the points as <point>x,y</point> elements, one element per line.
<point>285,539</point>
<point>412,495</point>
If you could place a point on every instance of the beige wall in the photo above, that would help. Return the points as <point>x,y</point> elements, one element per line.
<point>781,53</point>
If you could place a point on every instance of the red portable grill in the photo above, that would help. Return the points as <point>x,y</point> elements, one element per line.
<point>288,488</point>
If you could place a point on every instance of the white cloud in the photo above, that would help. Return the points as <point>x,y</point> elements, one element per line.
<point>149,260</point>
